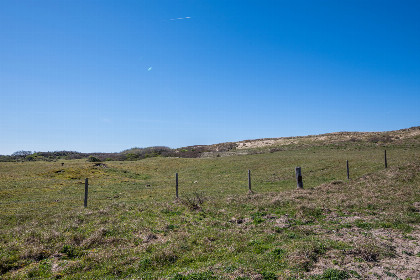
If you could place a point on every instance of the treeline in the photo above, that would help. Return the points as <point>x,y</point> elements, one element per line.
<point>45,156</point>
<point>130,154</point>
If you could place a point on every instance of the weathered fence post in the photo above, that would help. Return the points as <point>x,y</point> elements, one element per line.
<point>86,191</point>
<point>348,170</point>
<point>176,184</point>
<point>299,178</point>
<point>386,163</point>
<point>249,181</point>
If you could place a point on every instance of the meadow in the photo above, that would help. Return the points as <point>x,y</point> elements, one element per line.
<point>134,227</point>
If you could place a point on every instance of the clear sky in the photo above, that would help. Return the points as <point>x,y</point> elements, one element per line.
<point>104,76</point>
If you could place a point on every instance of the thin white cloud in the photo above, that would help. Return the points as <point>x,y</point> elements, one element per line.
<point>106,120</point>
<point>180,18</point>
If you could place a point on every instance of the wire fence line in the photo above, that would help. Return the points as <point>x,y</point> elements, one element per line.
<point>103,194</point>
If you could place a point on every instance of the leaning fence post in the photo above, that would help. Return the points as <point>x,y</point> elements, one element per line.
<point>386,163</point>
<point>86,191</point>
<point>299,178</point>
<point>176,185</point>
<point>348,170</point>
<point>249,181</point>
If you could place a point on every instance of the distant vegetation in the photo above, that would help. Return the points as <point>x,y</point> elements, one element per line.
<point>339,139</point>
<point>130,154</point>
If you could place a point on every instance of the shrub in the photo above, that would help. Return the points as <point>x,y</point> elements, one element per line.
<point>71,251</point>
<point>21,153</point>
<point>193,202</point>
<point>279,253</point>
<point>195,276</point>
<point>93,159</point>
<point>332,274</point>
<point>268,275</point>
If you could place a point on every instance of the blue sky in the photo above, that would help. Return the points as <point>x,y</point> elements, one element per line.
<point>104,76</point>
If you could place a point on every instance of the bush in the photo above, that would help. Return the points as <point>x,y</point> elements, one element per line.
<point>71,251</point>
<point>93,159</point>
<point>21,153</point>
<point>141,153</point>
<point>269,275</point>
<point>195,276</point>
<point>332,274</point>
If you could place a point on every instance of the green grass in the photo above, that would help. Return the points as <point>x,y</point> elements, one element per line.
<point>135,228</point>
<point>332,274</point>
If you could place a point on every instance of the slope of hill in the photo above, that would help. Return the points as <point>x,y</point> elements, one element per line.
<point>407,136</point>
<point>365,227</point>
<point>395,137</point>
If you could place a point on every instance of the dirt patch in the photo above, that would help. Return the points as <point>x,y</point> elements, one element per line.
<point>376,254</point>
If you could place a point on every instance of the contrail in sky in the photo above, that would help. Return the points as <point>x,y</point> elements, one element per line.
<point>180,18</point>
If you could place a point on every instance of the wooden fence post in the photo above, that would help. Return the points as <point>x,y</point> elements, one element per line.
<point>348,170</point>
<point>386,163</point>
<point>86,191</point>
<point>249,181</point>
<point>299,178</point>
<point>176,185</point>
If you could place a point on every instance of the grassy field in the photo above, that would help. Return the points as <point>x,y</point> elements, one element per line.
<point>134,228</point>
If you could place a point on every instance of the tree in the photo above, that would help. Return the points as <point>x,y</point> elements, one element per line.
<point>21,153</point>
